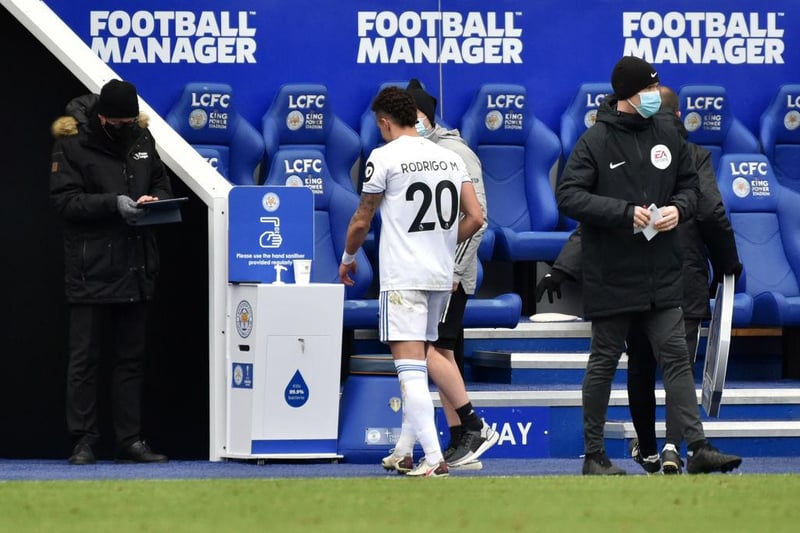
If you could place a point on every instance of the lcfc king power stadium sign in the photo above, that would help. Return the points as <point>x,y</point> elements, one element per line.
<point>173,36</point>
<point>209,110</point>
<point>439,37</point>
<point>504,111</point>
<point>704,37</point>
<point>750,178</point>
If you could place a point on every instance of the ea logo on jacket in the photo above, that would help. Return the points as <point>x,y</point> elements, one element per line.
<point>660,156</point>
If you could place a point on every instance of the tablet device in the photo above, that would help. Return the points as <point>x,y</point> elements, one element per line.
<point>164,204</point>
<point>161,211</point>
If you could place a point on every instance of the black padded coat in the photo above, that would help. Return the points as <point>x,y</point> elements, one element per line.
<point>622,161</point>
<point>105,259</point>
<point>706,236</point>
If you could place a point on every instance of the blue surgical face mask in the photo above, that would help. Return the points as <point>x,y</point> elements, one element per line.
<point>650,103</point>
<point>421,129</point>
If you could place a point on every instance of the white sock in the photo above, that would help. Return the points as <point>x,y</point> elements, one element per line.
<point>408,437</point>
<point>418,407</point>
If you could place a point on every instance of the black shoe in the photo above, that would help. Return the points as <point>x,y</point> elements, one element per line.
<point>671,460</point>
<point>708,459</point>
<point>455,438</point>
<point>473,443</point>
<point>82,454</point>
<point>651,464</point>
<point>140,452</point>
<point>598,464</point>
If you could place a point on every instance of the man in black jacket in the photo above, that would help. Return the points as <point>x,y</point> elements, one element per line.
<point>707,235</point>
<point>633,164</point>
<point>103,158</point>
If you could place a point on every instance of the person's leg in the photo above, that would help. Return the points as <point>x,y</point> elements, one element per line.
<point>411,319</point>
<point>86,326</point>
<point>692,327</point>
<point>444,346</point>
<point>127,375</point>
<point>674,434</point>
<point>666,333</point>
<point>608,340</point>
<point>445,373</point>
<point>670,455</point>
<point>641,389</point>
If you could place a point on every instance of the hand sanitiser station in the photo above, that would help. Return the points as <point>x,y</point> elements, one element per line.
<point>283,339</point>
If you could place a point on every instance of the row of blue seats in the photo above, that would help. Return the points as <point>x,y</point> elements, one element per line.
<point>520,154</point>
<point>520,157</point>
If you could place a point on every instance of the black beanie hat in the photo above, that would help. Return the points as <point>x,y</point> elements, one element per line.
<point>631,75</point>
<point>425,102</point>
<point>118,100</point>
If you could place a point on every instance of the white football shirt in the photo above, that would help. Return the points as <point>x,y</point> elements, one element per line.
<point>421,183</point>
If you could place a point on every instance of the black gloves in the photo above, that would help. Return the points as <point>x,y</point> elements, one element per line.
<point>129,209</point>
<point>732,268</point>
<point>735,269</point>
<point>551,282</point>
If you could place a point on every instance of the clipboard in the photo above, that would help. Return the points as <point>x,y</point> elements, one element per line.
<point>161,211</point>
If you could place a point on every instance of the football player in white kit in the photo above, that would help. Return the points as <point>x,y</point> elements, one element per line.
<point>427,205</point>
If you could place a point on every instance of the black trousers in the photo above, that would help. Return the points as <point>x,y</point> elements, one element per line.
<point>641,388</point>
<point>665,331</point>
<point>115,333</point>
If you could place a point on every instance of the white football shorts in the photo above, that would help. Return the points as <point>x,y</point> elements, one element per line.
<point>411,315</point>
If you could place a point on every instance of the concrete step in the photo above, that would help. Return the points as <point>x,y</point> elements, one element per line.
<point>534,368</point>
<point>771,438</point>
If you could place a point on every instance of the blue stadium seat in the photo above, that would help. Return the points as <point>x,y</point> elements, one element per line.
<point>334,205</point>
<point>581,113</point>
<point>519,155</point>
<point>214,157</point>
<point>780,135</point>
<point>301,116</point>
<point>707,116</point>
<point>579,116</point>
<point>206,117</point>
<point>766,225</point>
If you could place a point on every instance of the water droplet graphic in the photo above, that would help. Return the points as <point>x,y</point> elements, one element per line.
<point>296,392</point>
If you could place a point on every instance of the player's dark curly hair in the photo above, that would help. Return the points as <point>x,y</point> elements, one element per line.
<point>396,103</point>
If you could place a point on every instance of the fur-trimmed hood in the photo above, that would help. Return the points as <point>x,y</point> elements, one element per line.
<point>79,110</point>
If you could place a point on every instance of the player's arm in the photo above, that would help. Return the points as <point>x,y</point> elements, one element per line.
<point>471,209</point>
<point>357,232</point>
<point>361,220</point>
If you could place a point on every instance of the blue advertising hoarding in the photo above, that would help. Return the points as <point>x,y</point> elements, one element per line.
<point>452,46</point>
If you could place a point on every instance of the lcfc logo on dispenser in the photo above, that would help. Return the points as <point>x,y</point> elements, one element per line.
<point>271,202</point>
<point>244,319</point>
